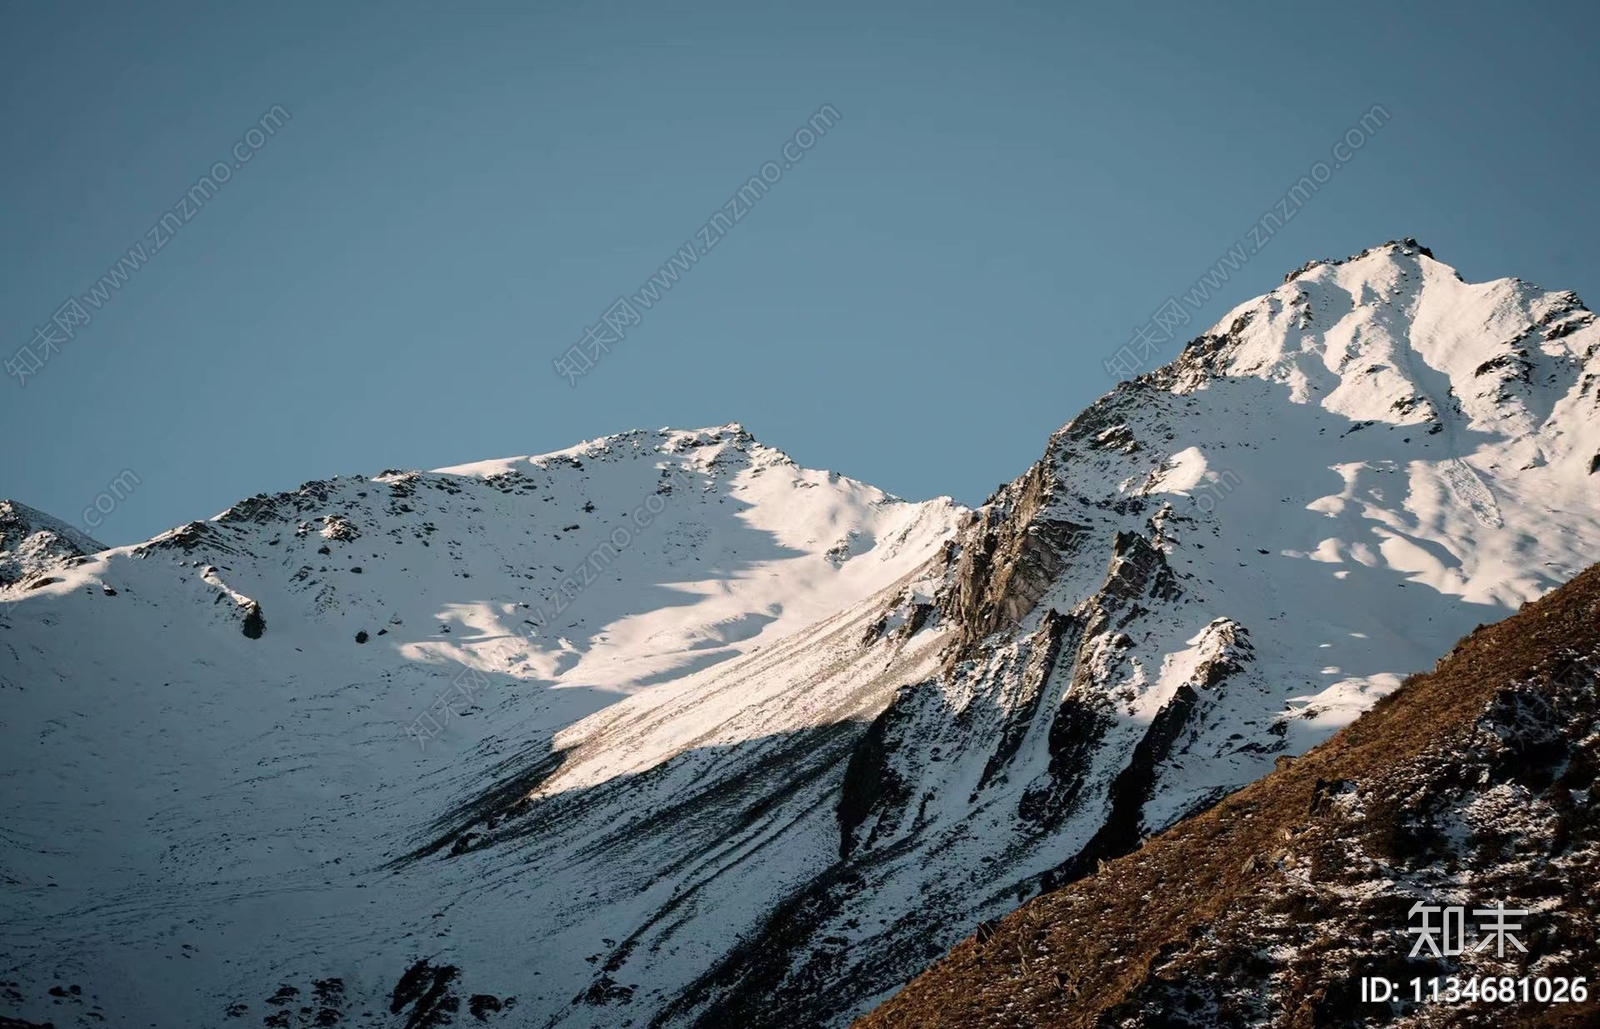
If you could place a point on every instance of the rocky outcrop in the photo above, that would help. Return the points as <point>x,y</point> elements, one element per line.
<point>1123,828</point>
<point>1056,632</point>
<point>870,782</point>
<point>254,623</point>
<point>425,994</point>
<point>1009,558</point>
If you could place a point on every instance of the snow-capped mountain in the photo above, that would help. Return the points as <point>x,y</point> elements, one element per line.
<point>1215,565</point>
<point>759,759</point>
<point>32,543</point>
<point>222,744</point>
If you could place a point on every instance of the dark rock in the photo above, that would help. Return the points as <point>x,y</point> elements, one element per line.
<point>425,988</point>
<point>254,622</point>
<point>1008,560</point>
<point>481,1005</point>
<point>284,995</point>
<point>869,781</point>
<point>1055,630</point>
<point>1121,831</point>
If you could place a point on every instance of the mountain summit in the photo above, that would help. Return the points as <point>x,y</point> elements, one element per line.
<point>715,740</point>
<point>32,543</point>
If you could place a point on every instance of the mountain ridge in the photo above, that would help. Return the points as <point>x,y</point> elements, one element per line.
<point>1469,785</point>
<point>761,758</point>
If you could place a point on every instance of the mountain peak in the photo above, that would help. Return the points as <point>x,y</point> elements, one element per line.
<point>31,542</point>
<point>1407,247</point>
<point>1393,336</point>
<point>717,443</point>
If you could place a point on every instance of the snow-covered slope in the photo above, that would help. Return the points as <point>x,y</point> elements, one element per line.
<point>1214,566</point>
<point>780,746</point>
<point>218,742</point>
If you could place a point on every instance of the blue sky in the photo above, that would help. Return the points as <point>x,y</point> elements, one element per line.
<point>1009,190</point>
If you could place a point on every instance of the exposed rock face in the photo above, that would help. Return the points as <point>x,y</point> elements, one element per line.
<point>1008,560</point>
<point>254,623</point>
<point>425,995</point>
<point>1472,786</point>
<point>869,781</point>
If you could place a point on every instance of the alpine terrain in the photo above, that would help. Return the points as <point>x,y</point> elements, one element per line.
<point>1472,786</point>
<point>666,731</point>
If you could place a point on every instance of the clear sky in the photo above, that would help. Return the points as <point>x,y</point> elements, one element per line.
<point>1009,190</point>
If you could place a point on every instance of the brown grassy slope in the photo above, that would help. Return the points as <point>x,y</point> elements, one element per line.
<point>1474,783</point>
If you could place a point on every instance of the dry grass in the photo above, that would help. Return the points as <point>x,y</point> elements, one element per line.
<point>1094,953</point>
